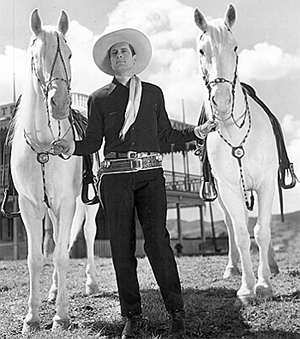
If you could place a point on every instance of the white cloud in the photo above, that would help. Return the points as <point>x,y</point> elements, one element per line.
<point>86,77</point>
<point>266,62</point>
<point>291,126</point>
<point>8,68</point>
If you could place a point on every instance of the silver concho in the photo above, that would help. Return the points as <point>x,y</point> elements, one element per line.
<point>42,158</point>
<point>238,152</point>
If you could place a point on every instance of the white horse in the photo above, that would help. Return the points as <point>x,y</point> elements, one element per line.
<point>48,184</point>
<point>242,153</point>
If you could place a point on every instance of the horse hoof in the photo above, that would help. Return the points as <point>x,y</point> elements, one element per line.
<point>231,272</point>
<point>52,296</point>
<point>59,325</point>
<point>243,301</point>
<point>263,292</point>
<point>29,327</point>
<point>91,289</point>
<point>274,269</point>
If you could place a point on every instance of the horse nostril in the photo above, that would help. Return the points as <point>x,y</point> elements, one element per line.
<point>214,101</point>
<point>53,102</point>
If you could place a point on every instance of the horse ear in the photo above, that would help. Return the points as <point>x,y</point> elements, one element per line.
<point>63,22</point>
<point>200,20</point>
<point>35,22</point>
<point>230,16</point>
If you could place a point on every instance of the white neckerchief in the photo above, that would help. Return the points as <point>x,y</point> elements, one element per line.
<point>133,104</point>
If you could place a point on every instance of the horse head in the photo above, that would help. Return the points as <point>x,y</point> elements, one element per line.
<point>218,59</point>
<point>50,64</point>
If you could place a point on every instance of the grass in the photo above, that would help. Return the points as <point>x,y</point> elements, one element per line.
<point>209,301</point>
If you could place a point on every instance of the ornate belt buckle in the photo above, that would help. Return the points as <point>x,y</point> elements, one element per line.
<point>42,157</point>
<point>137,164</point>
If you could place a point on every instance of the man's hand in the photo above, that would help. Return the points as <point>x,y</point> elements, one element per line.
<point>202,130</point>
<point>62,146</point>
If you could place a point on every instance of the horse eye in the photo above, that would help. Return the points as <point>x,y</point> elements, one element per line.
<point>201,52</point>
<point>70,56</point>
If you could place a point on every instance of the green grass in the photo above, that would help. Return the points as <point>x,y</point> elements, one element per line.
<point>209,302</point>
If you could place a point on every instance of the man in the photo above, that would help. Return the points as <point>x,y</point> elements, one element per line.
<point>130,115</point>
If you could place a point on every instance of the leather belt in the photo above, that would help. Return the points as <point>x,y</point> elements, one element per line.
<point>134,162</point>
<point>128,155</point>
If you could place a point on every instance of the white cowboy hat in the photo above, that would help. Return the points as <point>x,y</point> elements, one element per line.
<point>135,38</point>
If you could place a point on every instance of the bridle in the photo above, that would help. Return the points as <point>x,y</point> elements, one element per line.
<point>47,84</point>
<point>237,151</point>
<point>43,155</point>
<point>211,83</point>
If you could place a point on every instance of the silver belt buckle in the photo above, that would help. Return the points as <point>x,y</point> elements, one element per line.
<point>137,164</point>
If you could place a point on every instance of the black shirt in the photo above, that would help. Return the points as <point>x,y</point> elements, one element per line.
<point>106,109</point>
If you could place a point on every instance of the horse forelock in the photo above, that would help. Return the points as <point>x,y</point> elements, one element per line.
<point>218,32</point>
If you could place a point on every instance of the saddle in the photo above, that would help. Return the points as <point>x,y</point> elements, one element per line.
<point>88,178</point>
<point>285,169</point>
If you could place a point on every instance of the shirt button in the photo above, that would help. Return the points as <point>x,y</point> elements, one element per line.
<point>132,143</point>
<point>133,128</point>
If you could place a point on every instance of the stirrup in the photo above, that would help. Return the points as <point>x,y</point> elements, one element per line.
<point>3,206</point>
<point>283,172</point>
<point>85,194</point>
<point>208,190</point>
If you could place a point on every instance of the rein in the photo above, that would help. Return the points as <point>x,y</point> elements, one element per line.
<point>43,155</point>
<point>238,152</point>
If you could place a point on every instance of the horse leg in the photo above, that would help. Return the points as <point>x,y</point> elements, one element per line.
<point>262,234</point>
<point>35,258</point>
<point>61,261</point>
<point>234,203</point>
<point>91,286</point>
<point>271,259</point>
<point>52,294</point>
<point>233,254</point>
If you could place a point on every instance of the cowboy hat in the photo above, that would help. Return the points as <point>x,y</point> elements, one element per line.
<point>135,38</point>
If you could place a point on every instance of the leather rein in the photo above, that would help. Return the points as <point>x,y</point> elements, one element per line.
<point>236,151</point>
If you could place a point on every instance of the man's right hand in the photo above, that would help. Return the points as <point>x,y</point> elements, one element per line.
<point>63,146</point>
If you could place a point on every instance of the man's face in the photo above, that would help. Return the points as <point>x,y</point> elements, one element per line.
<point>121,59</point>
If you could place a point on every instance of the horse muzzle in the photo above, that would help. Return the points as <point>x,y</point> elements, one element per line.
<point>59,108</point>
<point>221,100</point>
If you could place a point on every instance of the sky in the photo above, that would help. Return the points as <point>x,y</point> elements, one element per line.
<point>267,33</point>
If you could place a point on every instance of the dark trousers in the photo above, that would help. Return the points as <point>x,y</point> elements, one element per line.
<point>144,191</point>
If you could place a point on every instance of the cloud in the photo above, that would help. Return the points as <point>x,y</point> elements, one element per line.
<point>86,77</point>
<point>8,67</point>
<point>266,62</point>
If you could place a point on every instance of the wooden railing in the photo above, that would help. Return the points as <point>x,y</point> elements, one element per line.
<point>182,182</point>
